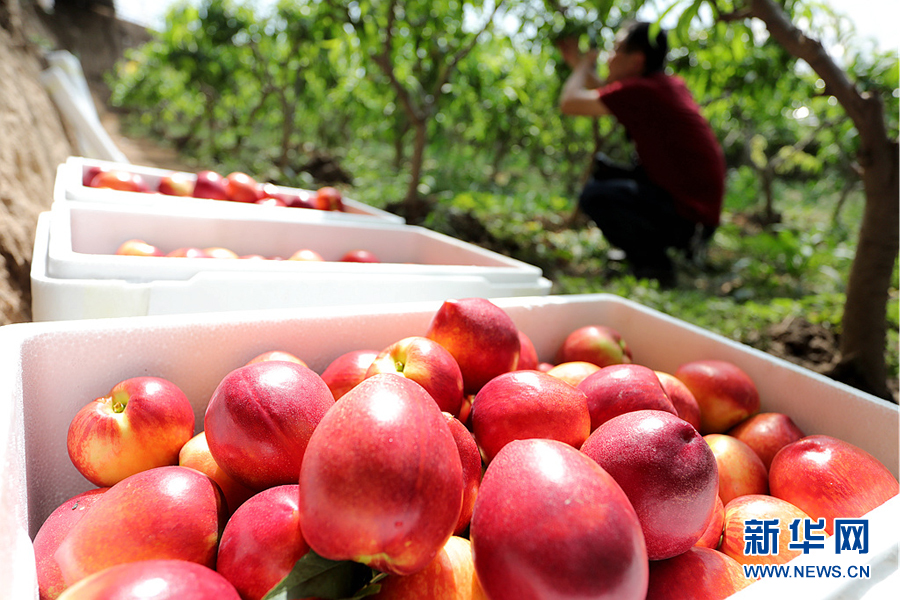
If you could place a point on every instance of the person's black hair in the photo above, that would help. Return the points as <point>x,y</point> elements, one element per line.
<point>637,39</point>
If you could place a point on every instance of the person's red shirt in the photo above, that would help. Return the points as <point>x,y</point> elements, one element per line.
<point>676,146</point>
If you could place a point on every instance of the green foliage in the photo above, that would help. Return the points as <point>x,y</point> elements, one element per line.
<point>315,576</point>
<point>265,93</point>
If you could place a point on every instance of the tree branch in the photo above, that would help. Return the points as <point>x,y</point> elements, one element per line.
<point>383,60</point>
<point>465,50</point>
<point>859,107</point>
<point>735,15</point>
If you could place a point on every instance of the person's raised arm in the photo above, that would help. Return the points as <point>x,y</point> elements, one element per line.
<point>572,55</point>
<point>579,95</point>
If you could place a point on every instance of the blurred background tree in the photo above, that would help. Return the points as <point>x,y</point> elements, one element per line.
<point>430,107</point>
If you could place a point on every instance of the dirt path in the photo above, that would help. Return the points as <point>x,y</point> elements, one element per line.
<point>140,151</point>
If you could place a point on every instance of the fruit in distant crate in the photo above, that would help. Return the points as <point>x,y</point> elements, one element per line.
<point>176,184</point>
<point>118,179</point>
<point>52,532</point>
<point>667,471</point>
<point>698,574</point>
<point>188,252</point>
<point>161,513</point>
<point>240,187</point>
<point>573,372</point>
<point>482,338</point>
<point>260,418</point>
<point>156,579</point>
<point>262,541</point>
<point>211,185</point>
<point>550,522</point>
<point>829,478</point>
<point>755,511</point>
<point>360,256</point>
<point>270,190</point>
<point>741,471</point>
<point>219,252</point>
<point>724,392</point>
<point>381,482</point>
<point>137,247</point>
<point>347,370</point>
<point>305,254</point>
<point>195,454</point>
<point>618,389</point>
<point>269,201</point>
<point>427,363</point>
<point>767,433</point>
<point>528,358</point>
<point>450,576</point>
<point>528,404</point>
<point>682,399</point>
<point>88,174</point>
<point>470,457</point>
<point>597,344</point>
<point>304,200</point>
<point>329,198</point>
<point>141,423</point>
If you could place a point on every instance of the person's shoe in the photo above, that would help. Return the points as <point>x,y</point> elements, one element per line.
<point>697,248</point>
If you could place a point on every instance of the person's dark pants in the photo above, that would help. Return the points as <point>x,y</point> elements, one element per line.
<point>635,215</point>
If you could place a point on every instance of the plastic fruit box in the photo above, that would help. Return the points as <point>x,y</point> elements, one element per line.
<point>69,186</point>
<point>52,369</point>
<point>84,238</point>
<point>213,291</point>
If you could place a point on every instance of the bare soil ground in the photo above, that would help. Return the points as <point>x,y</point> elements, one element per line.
<point>34,139</point>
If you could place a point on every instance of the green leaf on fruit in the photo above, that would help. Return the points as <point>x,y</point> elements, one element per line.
<point>318,577</point>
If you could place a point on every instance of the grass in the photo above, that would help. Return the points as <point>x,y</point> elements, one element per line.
<point>755,278</point>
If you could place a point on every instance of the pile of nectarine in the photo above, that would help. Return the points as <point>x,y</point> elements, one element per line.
<point>137,247</point>
<point>207,184</point>
<point>451,464</point>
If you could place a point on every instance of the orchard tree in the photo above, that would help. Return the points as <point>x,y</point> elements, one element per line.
<point>750,106</point>
<point>864,323</point>
<point>418,46</point>
<point>504,105</point>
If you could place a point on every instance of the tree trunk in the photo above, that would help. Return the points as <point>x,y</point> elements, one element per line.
<point>288,110</point>
<point>413,201</point>
<point>769,215</point>
<point>864,324</point>
<point>400,130</point>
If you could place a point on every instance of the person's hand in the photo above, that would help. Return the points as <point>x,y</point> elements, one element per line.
<point>590,57</point>
<point>570,51</point>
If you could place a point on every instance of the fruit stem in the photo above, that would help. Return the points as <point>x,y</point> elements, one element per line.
<point>118,401</point>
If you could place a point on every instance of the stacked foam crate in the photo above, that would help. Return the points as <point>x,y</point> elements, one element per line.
<point>77,274</point>
<point>48,371</point>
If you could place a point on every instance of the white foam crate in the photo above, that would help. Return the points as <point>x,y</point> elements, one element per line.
<point>51,369</point>
<point>213,291</point>
<point>69,186</point>
<point>84,238</point>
